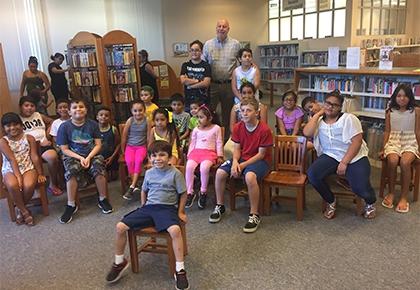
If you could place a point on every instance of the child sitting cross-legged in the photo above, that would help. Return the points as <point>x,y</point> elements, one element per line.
<point>80,140</point>
<point>162,206</point>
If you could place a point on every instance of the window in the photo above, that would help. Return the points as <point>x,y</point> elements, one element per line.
<point>382,17</point>
<point>317,19</point>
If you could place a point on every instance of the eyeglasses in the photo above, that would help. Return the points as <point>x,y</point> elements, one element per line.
<point>332,105</point>
<point>195,50</point>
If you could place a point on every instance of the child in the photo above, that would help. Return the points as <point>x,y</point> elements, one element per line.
<point>21,168</point>
<point>158,209</point>
<point>194,106</point>
<point>206,149</point>
<point>251,159</point>
<point>310,106</point>
<point>195,76</point>
<point>402,141</point>
<point>181,119</point>
<point>146,95</point>
<point>247,92</point>
<point>165,130</point>
<point>110,141</point>
<point>289,116</point>
<point>36,124</point>
<point>80,140</point>
<point>63,113</point>
<point>133,144</point>
<point>247,72</point>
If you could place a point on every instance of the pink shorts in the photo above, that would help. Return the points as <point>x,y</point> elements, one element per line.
<point>199,155</point>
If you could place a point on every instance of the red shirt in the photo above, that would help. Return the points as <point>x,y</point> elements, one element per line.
<point>251,141</point>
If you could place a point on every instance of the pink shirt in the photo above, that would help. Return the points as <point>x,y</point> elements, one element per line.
<point>289,120</point>
<point>210,139</point>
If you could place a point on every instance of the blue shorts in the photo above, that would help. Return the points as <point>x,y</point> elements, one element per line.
<point>159,216</point>
<point>260,168</point>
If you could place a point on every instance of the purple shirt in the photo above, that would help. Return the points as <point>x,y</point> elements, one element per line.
<point>289,120</point>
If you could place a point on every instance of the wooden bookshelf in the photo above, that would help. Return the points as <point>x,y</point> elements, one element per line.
<point>122,70</point>
<point>167,82</point>
<point>372,53</point>
<point>320,58</point>
<point>87,74</point>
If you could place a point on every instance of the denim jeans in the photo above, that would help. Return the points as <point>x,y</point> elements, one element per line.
<point>357,174</point>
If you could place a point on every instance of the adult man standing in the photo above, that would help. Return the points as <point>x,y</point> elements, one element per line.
<point>220,52</point>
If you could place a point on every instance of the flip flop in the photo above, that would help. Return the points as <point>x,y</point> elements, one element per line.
<point>54,191</point>
<point>385,204</point>
<point>406,210</point>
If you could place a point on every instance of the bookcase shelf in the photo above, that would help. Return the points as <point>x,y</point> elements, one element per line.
<point>320,58</point>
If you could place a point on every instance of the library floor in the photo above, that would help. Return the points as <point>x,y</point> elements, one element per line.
<point>347,252</point>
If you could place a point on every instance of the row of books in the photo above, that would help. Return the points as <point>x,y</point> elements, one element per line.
<point>321,58</point>
<point>329,84</point>
<point>86,78</point>
<point>280,62</point>
<point>125,76</point>
<point>124,95</point>
<point>375,103</point>
<point>119,56</point>
<point>289,50</point>
<point>93,94</point>
<point>84,59</point>
<point>380,86</point>
<point>277,75</point>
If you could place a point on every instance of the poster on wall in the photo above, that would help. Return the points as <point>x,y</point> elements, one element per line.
<point>333,57</point>
<point>353,58</point>
<point>245,44</point>
<point>292,4</point>
<point>180,49</point>
<point>385,61</point>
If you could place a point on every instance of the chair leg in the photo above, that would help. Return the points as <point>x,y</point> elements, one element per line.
<point>299,204</point>
<point>267,198</point>
<point>261,208</point>
<point>184,239</point>
<point>171,256</point>
<point>416,182</point>
<point>384,179</point>
<point>232,192</point>
<point>11,205</point>
<point>132,244</point>
<point>123,176</point>
<point>359,206</point>
<point>44,199</point>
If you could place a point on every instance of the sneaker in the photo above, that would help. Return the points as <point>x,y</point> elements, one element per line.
<point>181,280</point>
<point>105,206</point>
<point>252,224</point>
<point>202,200</point>
<point>329,212</point>
<point>216,215</point>
<point>117,271</point>
<point>190,200</point>
<point>370,211</point>
<point>128,195</point>
<point>68,214</point>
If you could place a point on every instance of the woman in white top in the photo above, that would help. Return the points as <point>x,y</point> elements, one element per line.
<point>338,140</point>
<point>247,72</point>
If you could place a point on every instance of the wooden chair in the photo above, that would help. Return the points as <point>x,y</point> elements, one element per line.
<point>151,245</point>
<point>415,178</point>
<point>289,170</point>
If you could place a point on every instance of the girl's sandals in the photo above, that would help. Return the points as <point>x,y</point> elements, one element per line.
<point>403,210</point>
<point>27,217</point>
<point>19,218</point>
<point>387,202</point>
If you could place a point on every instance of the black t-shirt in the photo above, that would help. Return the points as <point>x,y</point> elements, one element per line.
<point>196,71</point>
<point>57,79</point>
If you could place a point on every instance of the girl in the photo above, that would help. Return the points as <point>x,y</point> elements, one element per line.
<point>59,87</point>
<point>248,91</point>
<point>247,72</point>
<point>146,95</point>
<point>289,116</point>
<point>402,140</point>
<point>147,74</point>
<point>32,79</point>
<point>36,124</point>
<point>133,145</point>
<point>165,130</point>
<point>21,168</point>
<point>206,149</point>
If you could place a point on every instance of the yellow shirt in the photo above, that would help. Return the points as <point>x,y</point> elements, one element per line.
<point>174,147</point>
<point>149,112</point>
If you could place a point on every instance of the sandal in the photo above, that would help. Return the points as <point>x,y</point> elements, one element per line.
<point>405,210</point>
<point>387,203</point>
<point>19,218</point>
<point>29,220</point>
<point>55,191</point>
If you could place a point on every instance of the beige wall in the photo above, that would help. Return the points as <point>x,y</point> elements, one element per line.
<point>187,20</point>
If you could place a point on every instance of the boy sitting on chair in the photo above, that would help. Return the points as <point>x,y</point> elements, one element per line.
<point>251,158</point>
<point>163,187</point>
<point>80,141</point>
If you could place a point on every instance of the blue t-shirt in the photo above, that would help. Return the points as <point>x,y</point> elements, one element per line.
<point>80,139</point>
<point>163,185</point>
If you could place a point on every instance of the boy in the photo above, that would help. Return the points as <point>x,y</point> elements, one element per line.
<point>146,95</point>
<point>196,76</point>
<point>194,107</point>
<point>110,141</point>
<point>181,118</point>
<point>62,111</point>
<point>163,186</point>
<point>80,141</point>
<point>251,158</point>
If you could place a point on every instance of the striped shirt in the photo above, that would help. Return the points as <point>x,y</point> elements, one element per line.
<point>221,56</point>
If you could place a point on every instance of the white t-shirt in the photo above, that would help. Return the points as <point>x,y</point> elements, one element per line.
<point>35,126</point>
<point>55,125</point>
<point>245,76</point>
<point>335,139</point>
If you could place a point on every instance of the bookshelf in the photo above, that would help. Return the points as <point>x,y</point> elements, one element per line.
<point>367,92</point>
<point>277,63</point>
<point>320,58</point>
<point>372,53</point>
<point>122,70</point>
<point>87,75</point>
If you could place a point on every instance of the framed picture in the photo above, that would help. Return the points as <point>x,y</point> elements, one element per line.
<point>292,4</point>
<point>245,44</point>
<point>180,49</point>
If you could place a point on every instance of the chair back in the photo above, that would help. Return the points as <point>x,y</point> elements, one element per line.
<point>289,153</point>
